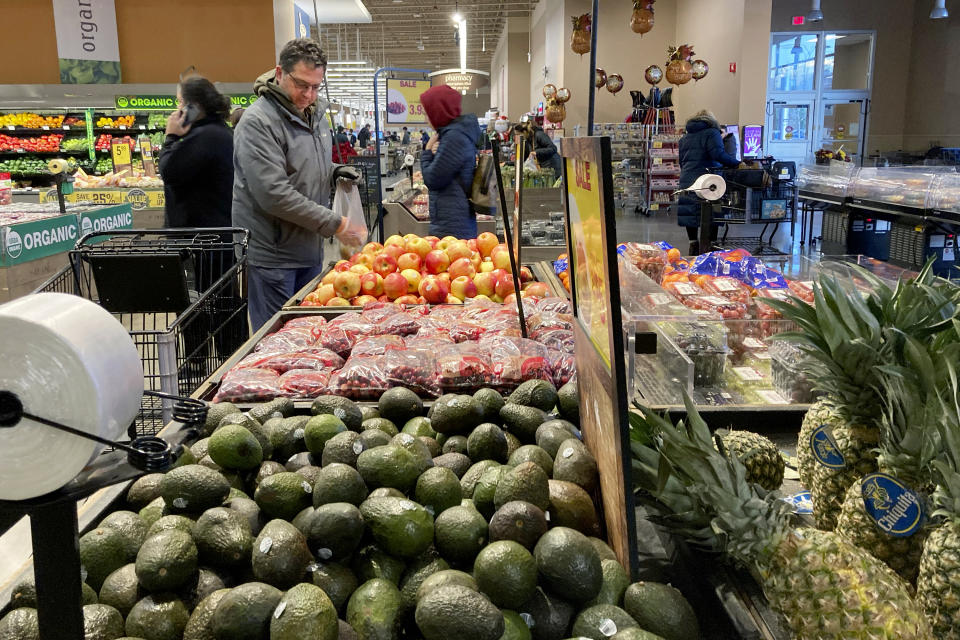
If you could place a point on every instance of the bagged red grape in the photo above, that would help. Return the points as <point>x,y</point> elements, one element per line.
<point>415,370</point>
<point>559,339</point>
<point>554,305</point>
<point>249,385</point>
<point>539,322</point>
<point>304,383</point>
<point>433,343</point>
<point>341,333</point>
<point>505,346</point>
<point>467,331</point>
<point>376,312</point>
<point>563,367</point>
<point>361,378</point>
<point>286,340</point>
<point>463,367</point>
<point>314,359</point>
<point>508,372</point>
<point>306,322</point>
<point>377,345</point>
<point>400,324</point>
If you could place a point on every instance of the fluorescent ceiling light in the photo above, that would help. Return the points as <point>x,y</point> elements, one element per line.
<point>339,62</point>
<point>463,44</point>
<point>337,11</point>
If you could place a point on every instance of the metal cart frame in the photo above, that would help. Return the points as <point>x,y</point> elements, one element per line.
<point>179,292</point>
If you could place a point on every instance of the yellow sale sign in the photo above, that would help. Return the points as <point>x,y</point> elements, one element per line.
<point>403,101</point>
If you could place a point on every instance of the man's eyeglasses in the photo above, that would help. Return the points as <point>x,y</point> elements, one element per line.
<point>304,87</point>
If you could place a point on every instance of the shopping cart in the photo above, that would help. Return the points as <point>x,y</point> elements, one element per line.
<point>179,292</point>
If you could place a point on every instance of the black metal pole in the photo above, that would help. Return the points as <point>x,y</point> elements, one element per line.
<point>591,87</point>
<point>56,570</point>
<point>507,236</point>
<point>706,226</point>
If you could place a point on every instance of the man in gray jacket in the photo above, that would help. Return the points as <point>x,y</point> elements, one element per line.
<point>283,174</point>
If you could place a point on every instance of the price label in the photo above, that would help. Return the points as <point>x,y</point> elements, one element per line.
<point>658,161</point>
<point>10,127</point>
<point>658,145</point>
<point>66,127</point>
<point>143,127</point>
<point>655,207</point>
<point>122,127</point>
<point>45,127</point>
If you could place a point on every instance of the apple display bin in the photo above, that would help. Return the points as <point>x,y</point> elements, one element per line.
<point>540,274</point>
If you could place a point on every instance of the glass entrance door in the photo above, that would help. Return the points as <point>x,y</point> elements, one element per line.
<point>790,128</point>
<point>841,127</point>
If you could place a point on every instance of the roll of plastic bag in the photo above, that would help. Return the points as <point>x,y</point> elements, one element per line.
<point>67,360</point>
<point>709,186</point>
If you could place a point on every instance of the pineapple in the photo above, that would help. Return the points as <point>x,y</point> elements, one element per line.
<point>820,412</point>
<point>758,454</point>
<point>938,582</point>
<point>823,586</point>
<point>909,441</point>
<point>844,335</point>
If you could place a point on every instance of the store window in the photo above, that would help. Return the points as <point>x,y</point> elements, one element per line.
<point>846,61</point>
<point>793,60</point>
<point>791,122</point>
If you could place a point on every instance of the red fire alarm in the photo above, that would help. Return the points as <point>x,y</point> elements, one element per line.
<point>733,67</point>
<point>797,21</point>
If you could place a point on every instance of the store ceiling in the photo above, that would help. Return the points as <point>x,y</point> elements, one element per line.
<point>400,27</point>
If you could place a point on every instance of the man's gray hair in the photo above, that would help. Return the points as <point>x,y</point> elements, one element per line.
<point>302,50</point>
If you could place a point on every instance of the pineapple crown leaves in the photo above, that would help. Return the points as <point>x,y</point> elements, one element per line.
<point>700,493</point>
<point>947,468</point>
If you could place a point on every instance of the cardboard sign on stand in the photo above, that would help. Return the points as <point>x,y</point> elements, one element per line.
<point>146,152</point>
<point>598,327</point>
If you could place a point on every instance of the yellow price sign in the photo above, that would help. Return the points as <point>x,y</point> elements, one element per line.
<point>122,156</point>
<point>658,161</point>
<point>655,206</point>
<point>658,145</point>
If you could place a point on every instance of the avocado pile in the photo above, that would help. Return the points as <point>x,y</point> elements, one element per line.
<point>471,521</point>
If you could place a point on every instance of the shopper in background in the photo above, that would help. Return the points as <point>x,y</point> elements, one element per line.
<point>353,139</point>
<point>283,178</point>
<point>701,149</point>
<point>540,144</point>
<point>448,163</point>
<point>196,160</point>
<point>196,163</point>
<point>235,116</point>
<point>424,138</point>
<point>364,136</point>
<point>406,137</point>
<point>342,136</point>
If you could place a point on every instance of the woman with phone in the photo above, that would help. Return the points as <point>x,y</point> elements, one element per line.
<point>196,161</point>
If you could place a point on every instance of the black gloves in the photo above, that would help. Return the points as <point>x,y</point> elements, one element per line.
<point>346,172</point>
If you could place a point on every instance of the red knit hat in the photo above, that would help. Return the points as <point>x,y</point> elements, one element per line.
<point>442,105</point>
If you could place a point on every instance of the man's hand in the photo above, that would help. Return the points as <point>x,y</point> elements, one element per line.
<point>346,174</point>
<point>175,124</point>
<point>433,143</point>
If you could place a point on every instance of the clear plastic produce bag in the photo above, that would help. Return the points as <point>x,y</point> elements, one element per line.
<point>347,204</point>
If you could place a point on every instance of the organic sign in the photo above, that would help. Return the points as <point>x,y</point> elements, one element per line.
<point>87,43</point>
<point>155,102</point>
<point>39,239</point>
<point>403,101</point>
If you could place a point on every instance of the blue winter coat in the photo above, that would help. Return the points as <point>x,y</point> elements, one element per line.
<point>700,149</point>
<point>448,174</point>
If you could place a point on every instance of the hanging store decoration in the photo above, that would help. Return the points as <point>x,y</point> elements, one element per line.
<point>653,74</point>
<point>549,90</point>
<point>599,78</point>
<point>556,112</point>
<point>699,69</point>
<point>614,83</point>
<point>679,65</point>
<point>580,40</point>
<point>642,19</point>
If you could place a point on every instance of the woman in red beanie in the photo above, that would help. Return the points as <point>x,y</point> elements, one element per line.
<point>448,162</point>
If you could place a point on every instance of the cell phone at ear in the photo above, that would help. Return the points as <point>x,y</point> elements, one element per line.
<point>189,114</point>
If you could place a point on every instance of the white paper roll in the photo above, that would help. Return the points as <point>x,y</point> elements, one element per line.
<point>68,360</point>
<point>709,186</point>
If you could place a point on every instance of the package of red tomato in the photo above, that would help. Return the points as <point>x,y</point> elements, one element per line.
<point>650,259</point>
<point>728,288</point>
<point>415,370</point>
<point>377,345</point>
<point>771,320</point>
<point>304,383</point>
<point>361,378</point>
<point>463,367</point>
<point>803,289</point>
<point>249,385</point>
<point>682,290</point>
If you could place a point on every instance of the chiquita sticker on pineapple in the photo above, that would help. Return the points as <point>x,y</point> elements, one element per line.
<point>802,502</point>
<point>825,449</point>
<point>895,508</point>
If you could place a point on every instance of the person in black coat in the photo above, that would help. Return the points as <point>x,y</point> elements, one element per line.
<point>364,136</point>
<point>701,149</point>
<point>196,161</point>
<point>539,143</point>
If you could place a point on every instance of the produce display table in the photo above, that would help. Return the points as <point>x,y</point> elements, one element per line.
<point>35,249</point>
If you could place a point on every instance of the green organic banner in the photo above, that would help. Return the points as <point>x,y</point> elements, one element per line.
<point>146,103</point>
<point>105,219</point>
<point>242,100</point>
<point>34,240</point>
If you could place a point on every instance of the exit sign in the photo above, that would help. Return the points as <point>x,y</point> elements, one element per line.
<point>797,20</point>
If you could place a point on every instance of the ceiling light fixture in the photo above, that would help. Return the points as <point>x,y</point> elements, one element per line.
<point>815,15</point>
<point>939,10</point>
